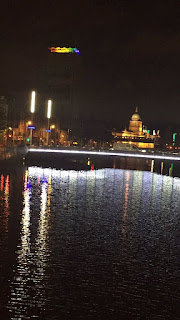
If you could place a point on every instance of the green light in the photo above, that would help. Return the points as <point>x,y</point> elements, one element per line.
<point>27,139</point>
<point>174,138</point>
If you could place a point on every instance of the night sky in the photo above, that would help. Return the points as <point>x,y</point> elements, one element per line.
<point>130,53</point>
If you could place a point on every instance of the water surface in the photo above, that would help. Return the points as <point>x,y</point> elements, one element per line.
<point>100,244</point>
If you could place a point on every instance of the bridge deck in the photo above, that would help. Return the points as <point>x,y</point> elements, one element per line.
<point>160,156</point>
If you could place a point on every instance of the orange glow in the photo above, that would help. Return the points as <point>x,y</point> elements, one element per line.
<point>2,182</point>
<point>127,188</point>
<point>7,192</point>
<point>126,201</point>
<point>126,195</point>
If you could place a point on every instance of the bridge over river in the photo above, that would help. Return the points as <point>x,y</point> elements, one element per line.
<point>167,163</point>
<point>108,153</point>
<point>76,158</point>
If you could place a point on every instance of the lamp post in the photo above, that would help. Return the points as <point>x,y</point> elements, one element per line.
<point>33,94</point>
<point>48,117</point>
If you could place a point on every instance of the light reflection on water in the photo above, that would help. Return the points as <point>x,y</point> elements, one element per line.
<point>96,245</point>
<point>27,289</point>
<point>4,209</point>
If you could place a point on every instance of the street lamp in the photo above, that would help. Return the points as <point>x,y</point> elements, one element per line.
<point>49,109</point>
<point>33,94</point>
<point>33,101</point>
<point>48,117</point>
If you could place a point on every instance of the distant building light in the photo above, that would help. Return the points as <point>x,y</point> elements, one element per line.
<point>64,50</point>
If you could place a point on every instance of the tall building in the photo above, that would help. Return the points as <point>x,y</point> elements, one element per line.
<point>63,81</point>
<point>3,113</point>
<point>3,118</point>
<point>137,134</point>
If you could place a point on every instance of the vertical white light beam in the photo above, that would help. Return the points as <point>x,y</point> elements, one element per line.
<point>33,102</point>
<point>49,109</point>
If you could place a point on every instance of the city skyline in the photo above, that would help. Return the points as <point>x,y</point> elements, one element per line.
<point>89,159</point>
<point>130,54</point>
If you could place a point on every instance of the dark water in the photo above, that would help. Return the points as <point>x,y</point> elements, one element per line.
<point>100,244</point>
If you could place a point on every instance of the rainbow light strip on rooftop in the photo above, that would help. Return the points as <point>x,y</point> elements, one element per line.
<point>64,50</point>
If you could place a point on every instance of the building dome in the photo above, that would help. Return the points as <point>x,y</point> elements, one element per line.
<point>135,116</point>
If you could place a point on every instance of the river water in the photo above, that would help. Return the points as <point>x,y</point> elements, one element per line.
<point>94,244</point>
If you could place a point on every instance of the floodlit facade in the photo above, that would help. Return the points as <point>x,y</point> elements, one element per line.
<point>137,134</point>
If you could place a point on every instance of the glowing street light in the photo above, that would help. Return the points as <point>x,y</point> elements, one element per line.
<point>33,94</point>
<point>33,101</point>
<point>48,117</point>
<point>49,109</point>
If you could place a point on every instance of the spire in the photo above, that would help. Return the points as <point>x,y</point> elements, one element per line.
<point>136,110</point>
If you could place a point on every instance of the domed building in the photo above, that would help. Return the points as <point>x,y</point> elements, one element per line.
<point>135,124</point>
<point>137,134</point>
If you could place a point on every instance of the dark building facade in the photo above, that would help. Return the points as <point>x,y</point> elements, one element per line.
<point>3,117</point>
<point>3,113</point>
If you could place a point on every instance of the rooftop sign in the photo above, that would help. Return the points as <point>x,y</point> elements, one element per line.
<point>64,50</point>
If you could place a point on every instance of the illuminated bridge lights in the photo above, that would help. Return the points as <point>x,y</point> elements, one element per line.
<point>106,153</point>
<point>64,50</point>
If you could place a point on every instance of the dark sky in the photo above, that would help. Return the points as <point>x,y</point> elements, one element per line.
<point>130,52</point>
